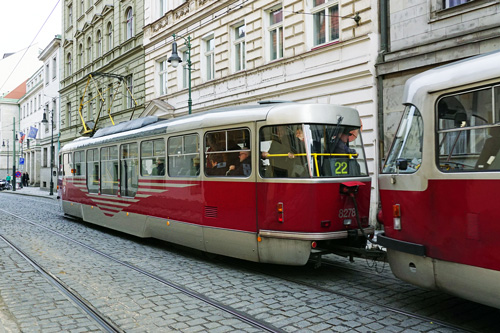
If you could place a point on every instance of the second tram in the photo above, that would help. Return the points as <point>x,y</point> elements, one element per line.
<point>438,185</point>
<point>272,183</point>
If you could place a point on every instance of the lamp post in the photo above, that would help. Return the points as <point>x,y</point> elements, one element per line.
<point>175,60</point>
<point>3,145</point>
<point>44,121</point>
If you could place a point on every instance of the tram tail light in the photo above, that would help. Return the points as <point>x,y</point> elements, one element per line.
<point>281,214</point>
<point>396,213</point>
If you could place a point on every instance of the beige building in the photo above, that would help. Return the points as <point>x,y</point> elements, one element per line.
<point>243,52</point>
<point>421,34</point>
<point>102,60</point>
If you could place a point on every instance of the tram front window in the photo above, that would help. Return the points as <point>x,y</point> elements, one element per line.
<point>406,150</point>
<point>311,151</point>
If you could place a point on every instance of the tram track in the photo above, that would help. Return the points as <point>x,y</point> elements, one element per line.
<point>252,321</point>
<point>101,320</point>
<point>394,309</point>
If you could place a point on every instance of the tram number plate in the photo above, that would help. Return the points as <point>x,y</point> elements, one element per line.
<point>347,212</point>
<point>341,168</point>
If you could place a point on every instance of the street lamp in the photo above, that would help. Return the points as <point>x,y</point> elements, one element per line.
<point>175,60</point>
<point>44,121</point>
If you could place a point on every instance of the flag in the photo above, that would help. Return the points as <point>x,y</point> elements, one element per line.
<point>33,132</point>
<point>22,137</point>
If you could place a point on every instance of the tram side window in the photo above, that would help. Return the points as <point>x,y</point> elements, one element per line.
<point>183,156</point>
<point>469,131</point>
<point>228,153</point>
<point>67,165</point>
<point>153,158</point>
<point>129,169</point>
<point>109,170</point>
<point>79,163</point>
<point>93,171</point>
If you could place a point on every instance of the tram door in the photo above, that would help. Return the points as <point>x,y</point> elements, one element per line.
<point>229,192</point>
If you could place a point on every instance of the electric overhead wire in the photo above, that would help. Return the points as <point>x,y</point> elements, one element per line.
<point>26,50</point>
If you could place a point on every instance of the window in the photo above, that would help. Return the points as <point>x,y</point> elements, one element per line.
<point>153,158</point>
<point>54,68</point>
<point>70,15</point>
<point>129,29</point>
<point>93,171</point>
<point>183,156</point>
<point>45,159</point>
<point>276,33</point>
<point>406,151</point>
<point>100,100</point>
<point>109,170</point>
<point>89,50</point>
<point>129,169</point>
<point>311,151</point>
<point>163,7</point>
<point>325,21</point>
<point>80,163</point>
<point>209,46</point>
<point>227,153</point>
<point>163,76</point>
<point>453,3</point>
<point>110,96</point>
<point>99,44</point>
<point>82,7</point>
<point>183,71</point>
<point>110,36</point>
<point>239,47</point>
<point>47,73</point>
<point>80,56</point>
<point>130,91</point>
<point>69,60</point>
<point>68,114</point>
<point>67,164</point>
<point>469,131</point>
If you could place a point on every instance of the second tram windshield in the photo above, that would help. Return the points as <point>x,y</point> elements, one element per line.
<point>311,151</point>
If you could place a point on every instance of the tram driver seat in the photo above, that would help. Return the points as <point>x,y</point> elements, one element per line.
<point>490,155</point>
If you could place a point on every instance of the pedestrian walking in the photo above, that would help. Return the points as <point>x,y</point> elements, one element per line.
<point>27,179</point>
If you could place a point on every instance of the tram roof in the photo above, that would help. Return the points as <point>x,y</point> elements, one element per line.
<point>272,113</point>
<point>479,68</point>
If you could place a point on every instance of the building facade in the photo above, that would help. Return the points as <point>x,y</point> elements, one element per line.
<point>102,61</point>
<point>243,52</point>
<point>31,112</point>
<point>9,123</point>
<point>422,34</point>
<point>49,130</point>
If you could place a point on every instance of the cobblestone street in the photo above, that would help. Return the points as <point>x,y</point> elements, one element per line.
<point>343,297</point>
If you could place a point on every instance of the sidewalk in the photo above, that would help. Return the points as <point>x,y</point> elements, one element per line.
<point>33,191</point>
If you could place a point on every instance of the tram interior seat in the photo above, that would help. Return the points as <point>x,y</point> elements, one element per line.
<point>490,155</point>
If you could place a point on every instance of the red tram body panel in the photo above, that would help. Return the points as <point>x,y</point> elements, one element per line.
<point>273,206</point>
<point>438,184</point>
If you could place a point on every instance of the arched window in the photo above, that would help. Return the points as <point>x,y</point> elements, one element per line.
<point>69,63</point>
<point>99,44</point>
<point>89,50</point>
<point>110,36</point>
<point>130,24</point>
<point>80,56</point>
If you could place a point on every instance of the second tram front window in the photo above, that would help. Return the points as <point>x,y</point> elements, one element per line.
<point>310,151</point>
<point>469,131</point>
<point>109,170</point>
<point>405,155</point>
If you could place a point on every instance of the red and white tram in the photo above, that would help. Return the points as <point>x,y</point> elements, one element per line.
<point>270,183</point>
<point>438,186</point>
